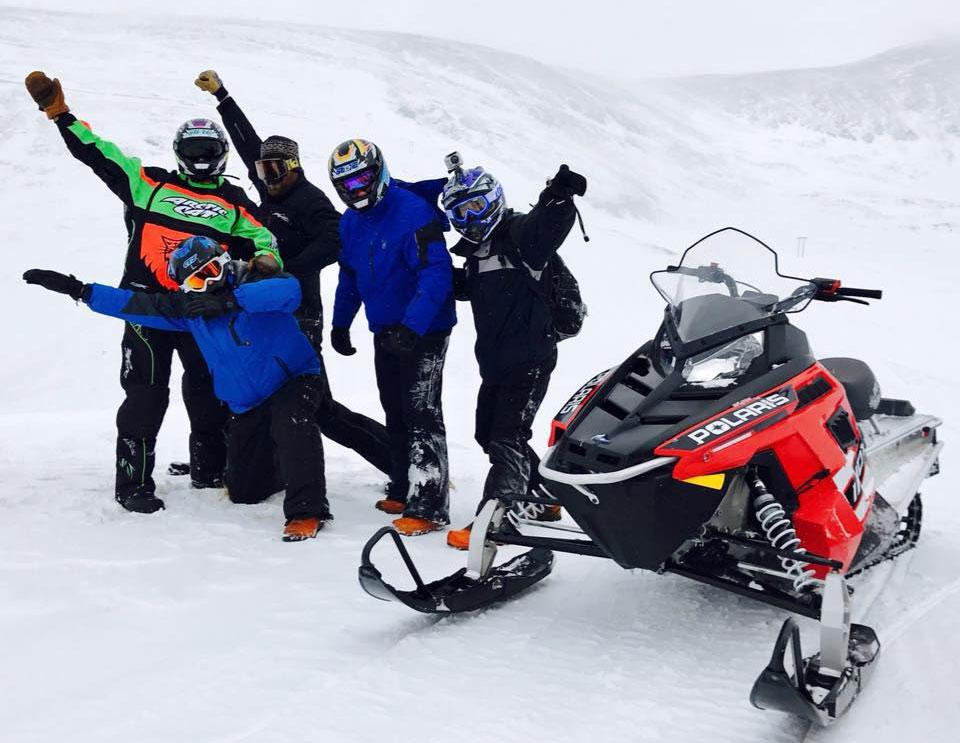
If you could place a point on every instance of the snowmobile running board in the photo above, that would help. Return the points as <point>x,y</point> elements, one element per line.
<point>460,591</point>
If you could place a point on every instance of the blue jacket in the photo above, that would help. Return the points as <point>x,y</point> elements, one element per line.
<point>395,262</point>
<point>251,353</point>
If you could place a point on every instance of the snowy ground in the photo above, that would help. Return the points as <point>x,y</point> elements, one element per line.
<point>198,624</point>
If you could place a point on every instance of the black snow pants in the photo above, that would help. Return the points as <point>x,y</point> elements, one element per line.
<point>506,408</point>
<point>277,446</point>
<point>355,431</point>
<point>145,378</point>
<point>410,391</point>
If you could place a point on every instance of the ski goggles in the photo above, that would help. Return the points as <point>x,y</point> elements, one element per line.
<point>207,274</point>
<point>476,206</point>
<point>273,169</point>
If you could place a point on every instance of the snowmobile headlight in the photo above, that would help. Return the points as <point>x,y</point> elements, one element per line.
<point>722,367</point>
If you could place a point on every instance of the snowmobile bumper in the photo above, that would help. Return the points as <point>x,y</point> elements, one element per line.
<point>458,592</point>
<point>796,685</point>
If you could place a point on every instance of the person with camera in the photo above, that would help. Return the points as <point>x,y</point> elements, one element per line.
<point>307,229</point>
<point>395,263</point>
<point>506,276</point>
<point>161,208</point>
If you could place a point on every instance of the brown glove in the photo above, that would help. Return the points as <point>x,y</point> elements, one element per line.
<point>209,81</point>
<point>263,263</point>
<point>47,94</point>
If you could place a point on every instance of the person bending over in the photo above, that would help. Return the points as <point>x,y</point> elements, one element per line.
<point>263,368</point>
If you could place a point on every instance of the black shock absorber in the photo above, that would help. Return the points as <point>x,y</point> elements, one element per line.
<point>778,529</point>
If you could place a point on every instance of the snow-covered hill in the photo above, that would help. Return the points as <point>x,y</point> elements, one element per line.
<point>198,624</point>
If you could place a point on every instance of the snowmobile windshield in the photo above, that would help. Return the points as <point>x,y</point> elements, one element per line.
<point>724,280</point>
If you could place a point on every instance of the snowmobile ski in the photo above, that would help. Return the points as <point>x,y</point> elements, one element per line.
<point>458,592</point>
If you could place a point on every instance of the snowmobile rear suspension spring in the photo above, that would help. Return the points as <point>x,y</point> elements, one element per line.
<point>778,528</point>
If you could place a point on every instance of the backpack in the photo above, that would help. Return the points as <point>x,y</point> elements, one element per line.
<point>567,308</point>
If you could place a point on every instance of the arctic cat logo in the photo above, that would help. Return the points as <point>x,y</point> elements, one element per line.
<point>733,419</point>
<point>191,208</point>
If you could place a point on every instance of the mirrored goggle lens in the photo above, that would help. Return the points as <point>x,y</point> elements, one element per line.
<point>272,170</point>
<point>474,207</point>
<point>358,182</point>
<point>209,271</point>
<point>201,149</point>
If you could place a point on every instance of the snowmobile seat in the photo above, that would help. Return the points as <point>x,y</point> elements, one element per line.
<point>863,391</point>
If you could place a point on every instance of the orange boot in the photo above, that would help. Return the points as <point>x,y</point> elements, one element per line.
<point>411,526</point>
<point>388,505</point>
<point>296,530</point>
<point>459,539</point>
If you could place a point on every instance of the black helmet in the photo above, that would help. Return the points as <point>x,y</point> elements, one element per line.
<point>197,264</point>
<point>201,148</point>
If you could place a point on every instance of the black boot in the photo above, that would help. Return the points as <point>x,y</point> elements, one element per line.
<point>140,502</point>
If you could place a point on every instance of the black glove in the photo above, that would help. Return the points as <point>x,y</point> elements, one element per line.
<point>340,340</point>
<point>206,304</point>
<point>399,340</point>
<point>567,184</point>
<point>56,282</point>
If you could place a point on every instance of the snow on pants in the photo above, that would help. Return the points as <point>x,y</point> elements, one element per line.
<point>145,378</point>
<point>277,446</point>
<point>355,431</point>
<point>410,390</point>
<point>506,408</point>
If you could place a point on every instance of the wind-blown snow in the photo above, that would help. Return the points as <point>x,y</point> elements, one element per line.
<point>199,624</point>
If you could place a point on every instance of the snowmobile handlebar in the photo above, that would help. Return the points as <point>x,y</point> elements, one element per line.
<point>830,290</point>
<point>845,291</point>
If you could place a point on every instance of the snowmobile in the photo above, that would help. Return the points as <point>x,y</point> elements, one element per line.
<point>724,452</point>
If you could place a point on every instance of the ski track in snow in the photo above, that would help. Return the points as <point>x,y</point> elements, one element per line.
<point>199,624</point>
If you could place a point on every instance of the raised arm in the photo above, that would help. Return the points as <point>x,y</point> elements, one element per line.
<point>244,137</point>
<point>541,232</point>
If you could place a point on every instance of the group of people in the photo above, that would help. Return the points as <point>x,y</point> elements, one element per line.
<point>233,287</point>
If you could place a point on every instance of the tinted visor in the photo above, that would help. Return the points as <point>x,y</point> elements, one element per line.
<point>201,148</point>
<point>359,182</point>
<point>208,272</point>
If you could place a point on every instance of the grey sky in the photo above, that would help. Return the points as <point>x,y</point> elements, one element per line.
<point>624,39</point>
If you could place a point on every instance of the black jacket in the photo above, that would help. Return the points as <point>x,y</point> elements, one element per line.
<point>510,313</point>
<point>304,221</point>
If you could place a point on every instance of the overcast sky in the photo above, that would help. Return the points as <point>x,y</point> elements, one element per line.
<point>624,39</point>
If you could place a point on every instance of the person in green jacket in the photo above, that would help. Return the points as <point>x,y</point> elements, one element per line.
<point>161,209</point>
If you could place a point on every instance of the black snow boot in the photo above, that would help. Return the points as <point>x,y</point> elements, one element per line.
<point>140,502</point>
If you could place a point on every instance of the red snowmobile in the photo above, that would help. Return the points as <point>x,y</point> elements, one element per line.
<point>723,451</point>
